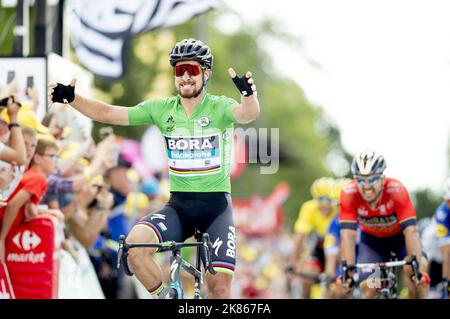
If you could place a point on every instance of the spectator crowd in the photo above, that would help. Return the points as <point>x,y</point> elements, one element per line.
<point>92,189</point>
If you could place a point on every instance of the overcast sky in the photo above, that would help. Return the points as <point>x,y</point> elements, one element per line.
<point>384,75</point>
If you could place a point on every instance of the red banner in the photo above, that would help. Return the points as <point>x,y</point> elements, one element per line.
<point>32,258</point>
<point>260,216</point>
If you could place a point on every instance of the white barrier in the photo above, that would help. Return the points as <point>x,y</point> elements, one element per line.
<point>78,280</point>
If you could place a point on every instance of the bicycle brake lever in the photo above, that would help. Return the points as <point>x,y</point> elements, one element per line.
<point>120,251</point>
<point>344,271</point>
<point>415,266</point>
<point>207,245</point>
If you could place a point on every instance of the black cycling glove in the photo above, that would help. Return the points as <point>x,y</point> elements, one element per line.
<point>243,86</point>
<point>63,93</point>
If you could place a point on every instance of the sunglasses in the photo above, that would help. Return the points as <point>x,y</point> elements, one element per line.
<point>192,70</point>
<point>371,181</point>
<point>324,200</point>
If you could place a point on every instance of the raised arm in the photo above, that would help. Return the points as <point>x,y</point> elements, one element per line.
<point>248,110</point>
<point>94,109</point>
<point>15,151</point>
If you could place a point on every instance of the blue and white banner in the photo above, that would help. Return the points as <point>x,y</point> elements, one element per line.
<point>100,29</point>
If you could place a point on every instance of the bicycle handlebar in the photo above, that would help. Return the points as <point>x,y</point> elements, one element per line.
<point>381,264</point>
<point>413,263</point>
<point>169,245</point>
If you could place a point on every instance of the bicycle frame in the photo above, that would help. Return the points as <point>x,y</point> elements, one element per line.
<point>388,278</point>
<point>176,261</point>
<point>175,279</point>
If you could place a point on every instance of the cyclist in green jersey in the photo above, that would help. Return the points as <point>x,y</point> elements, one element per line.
<point>198,130</point>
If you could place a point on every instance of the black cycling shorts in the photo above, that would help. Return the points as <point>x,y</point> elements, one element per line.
<point>209,213</point>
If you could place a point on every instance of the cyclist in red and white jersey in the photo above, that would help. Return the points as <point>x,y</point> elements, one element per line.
<point>383,210</point>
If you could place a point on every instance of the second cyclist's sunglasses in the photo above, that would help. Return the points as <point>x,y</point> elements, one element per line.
<point>372,180</point>
<point>324,199</point>
<point>192,70</point>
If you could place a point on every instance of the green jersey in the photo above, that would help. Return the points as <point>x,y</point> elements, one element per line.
<point>199,148</point>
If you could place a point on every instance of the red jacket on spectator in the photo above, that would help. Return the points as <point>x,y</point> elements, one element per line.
<point>35,183</point>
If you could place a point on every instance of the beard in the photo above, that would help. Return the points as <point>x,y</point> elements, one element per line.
<point>188,95</point>
<point>373,198</point>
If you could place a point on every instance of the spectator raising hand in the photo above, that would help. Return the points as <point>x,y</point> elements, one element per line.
<point>15,150</point>
<point>86,196</point>
<point>105,199</point>
<point>106,155</point>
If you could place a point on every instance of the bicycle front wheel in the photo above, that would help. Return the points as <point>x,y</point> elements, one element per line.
<point>168,293</point>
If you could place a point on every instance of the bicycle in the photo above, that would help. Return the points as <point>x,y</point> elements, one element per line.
<point>387,275</point>
<point>175,289</point>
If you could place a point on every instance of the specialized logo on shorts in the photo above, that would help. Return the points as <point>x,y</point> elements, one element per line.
<point>204,121</point>
<point>216,246</point>
<point>231,244</point>
<point>194,155</point>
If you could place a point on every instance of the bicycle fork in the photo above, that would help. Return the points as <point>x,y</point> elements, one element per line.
<point>176,263</point>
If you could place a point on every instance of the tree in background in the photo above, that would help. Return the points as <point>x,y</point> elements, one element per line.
<point>426,202</point>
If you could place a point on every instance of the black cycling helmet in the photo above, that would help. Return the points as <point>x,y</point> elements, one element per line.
<point>191,49</point>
